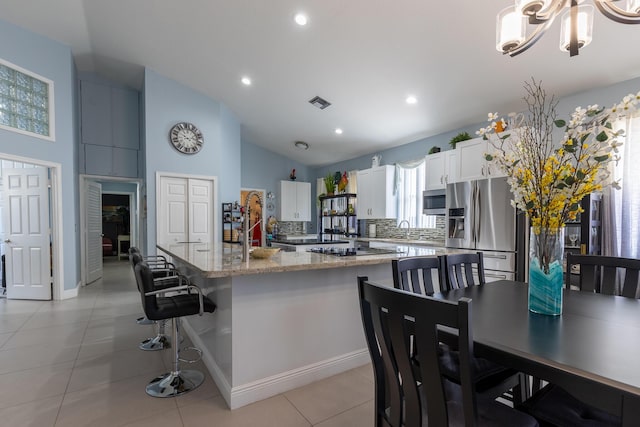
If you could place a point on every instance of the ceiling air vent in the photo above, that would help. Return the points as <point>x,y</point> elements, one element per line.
<point>316,101</point>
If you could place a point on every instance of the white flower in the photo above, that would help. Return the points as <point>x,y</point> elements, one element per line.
<point>492,117</point>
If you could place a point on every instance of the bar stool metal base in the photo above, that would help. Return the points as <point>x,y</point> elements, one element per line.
<point>174,384</point>
<point>159,342</point>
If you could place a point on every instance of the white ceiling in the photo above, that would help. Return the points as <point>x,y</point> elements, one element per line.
<point>363,56</point>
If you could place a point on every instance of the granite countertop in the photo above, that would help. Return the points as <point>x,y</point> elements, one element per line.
<point>220,260</point>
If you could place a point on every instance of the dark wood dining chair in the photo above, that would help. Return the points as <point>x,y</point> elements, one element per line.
<point>599,274</point>
<point>417,275</point>
<point>459,270</point>
<point>403,399</point>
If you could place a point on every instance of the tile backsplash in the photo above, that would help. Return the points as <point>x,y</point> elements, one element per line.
<point>385,228</point>
<point>292,227</point>
<point>388,228</point>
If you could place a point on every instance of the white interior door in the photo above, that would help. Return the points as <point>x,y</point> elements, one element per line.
<point>185,209</point>
<point>27,233</point>
<point>200,225</point>
<point>93,233</point>
<point>172,210</point>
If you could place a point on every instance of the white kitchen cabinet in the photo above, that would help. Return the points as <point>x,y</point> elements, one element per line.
<point>295,201</point>
<point>376,198</point>
<point>441,169</point>
<point>471,162</point>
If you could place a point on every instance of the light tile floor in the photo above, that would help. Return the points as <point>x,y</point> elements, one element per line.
<point>76,363</point>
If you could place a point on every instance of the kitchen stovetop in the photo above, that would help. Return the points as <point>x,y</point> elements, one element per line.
<point>351,251</point>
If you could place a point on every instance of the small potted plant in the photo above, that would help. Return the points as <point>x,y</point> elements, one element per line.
<point>330,184</point>
<point>462,136</point>
<point>434,149</point>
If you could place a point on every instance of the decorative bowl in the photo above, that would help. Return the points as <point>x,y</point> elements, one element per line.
<point>263,253</point>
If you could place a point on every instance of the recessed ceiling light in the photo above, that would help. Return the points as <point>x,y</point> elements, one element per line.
<point>301,19</point>
<point>246,81</point>
<point>302,145</point>
<point>339,131</point>
<point>412,100</point>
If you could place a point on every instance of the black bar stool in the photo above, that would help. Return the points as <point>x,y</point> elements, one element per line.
<point>163,278</point>
<point>157,307</point>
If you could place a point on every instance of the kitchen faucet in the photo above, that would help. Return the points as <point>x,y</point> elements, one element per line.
<point>246,243</point>
<point>400,228</point>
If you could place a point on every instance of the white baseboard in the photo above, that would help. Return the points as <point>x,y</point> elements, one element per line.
<point>285,381</point>
<point>70,293</point>
<point>245,394</point>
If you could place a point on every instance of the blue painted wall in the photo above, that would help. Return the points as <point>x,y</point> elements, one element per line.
<point>265,169</point>
<point>54,61</point>
<point>167,102</point>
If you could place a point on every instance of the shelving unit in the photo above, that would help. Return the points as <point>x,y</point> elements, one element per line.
<point>586,231</point>
<point>337,217</point>
<point>231,222</point>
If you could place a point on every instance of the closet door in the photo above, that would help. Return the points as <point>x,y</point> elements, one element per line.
<point>173,210</point>
<point>200,224</point>
<point>185,210</point>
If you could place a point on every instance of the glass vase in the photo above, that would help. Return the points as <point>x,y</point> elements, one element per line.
<point>546,276</point>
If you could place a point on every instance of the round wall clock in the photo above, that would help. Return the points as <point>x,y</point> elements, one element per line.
<point>186,138</point>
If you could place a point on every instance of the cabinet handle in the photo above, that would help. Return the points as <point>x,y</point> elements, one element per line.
<point>482,170</point>
<point>446,179</point>
<point>441,177</point>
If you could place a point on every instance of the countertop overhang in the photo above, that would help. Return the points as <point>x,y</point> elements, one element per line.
<point>223,260</point>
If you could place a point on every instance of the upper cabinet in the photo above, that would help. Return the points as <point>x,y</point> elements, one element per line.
<point>295,201</point>
<point>376,199</point>
<point>109,130</point>
<point>441,169</point>
<point>471,162</point>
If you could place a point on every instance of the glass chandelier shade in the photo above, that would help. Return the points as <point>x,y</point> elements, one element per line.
<point>510,29</point>
<point>520,26</point>
<point>584,27</point>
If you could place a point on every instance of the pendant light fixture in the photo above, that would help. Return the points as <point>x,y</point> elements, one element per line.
<point>520,26</point>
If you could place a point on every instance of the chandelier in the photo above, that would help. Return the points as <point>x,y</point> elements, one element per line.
<point>520,26</point>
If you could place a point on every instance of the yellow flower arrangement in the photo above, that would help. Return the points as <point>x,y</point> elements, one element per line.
<point>548,181</point>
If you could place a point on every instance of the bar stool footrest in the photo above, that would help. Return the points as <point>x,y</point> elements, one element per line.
<point>144,321</point>
<point>197,359</point>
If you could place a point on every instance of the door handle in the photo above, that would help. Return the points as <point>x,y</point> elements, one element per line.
<point>7,240</point>
<point>495,256</point>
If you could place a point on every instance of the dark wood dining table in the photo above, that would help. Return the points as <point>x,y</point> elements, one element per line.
<point>592,349</point>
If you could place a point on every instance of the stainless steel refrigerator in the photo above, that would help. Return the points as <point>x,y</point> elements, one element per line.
<point>480,217</point>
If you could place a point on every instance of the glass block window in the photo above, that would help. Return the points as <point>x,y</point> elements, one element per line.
<point>26,102</point>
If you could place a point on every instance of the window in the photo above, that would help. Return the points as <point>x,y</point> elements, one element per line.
<point>26,102</point>
<point>621,222</point>
<point>410,185</point>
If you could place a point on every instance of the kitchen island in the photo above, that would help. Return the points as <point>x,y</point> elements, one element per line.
<point>281,322</point>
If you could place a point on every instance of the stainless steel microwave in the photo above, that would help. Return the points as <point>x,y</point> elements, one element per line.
<point>434,202</point>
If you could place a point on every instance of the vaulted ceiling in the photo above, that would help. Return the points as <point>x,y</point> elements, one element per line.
<point>365,57</point>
